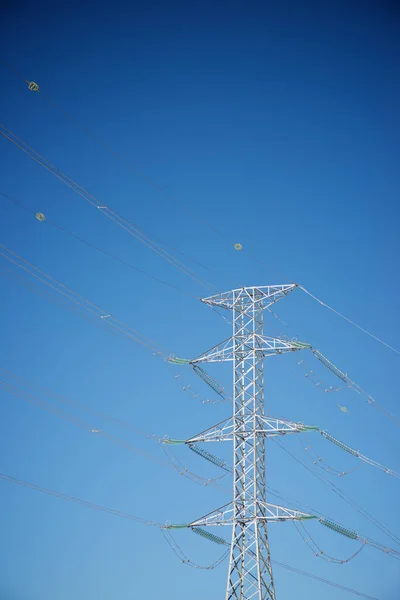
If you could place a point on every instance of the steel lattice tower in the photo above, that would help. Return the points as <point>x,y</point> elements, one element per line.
<point>250,573</point>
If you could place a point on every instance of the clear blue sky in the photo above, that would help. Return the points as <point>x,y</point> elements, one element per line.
<point>279,124</point>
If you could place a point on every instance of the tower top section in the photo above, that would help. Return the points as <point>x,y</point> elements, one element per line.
<point>241,298</point>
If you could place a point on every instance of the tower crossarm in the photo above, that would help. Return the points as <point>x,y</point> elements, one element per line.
<point>267,426</point>
<point>246,344</point>
<point>261,512</point>
<point>264,296</point>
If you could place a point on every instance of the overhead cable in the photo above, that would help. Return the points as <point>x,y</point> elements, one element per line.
<point>34,87</point>
<point>352,385</point>
<point>102,433</point>
<point>75,500</point>
<point>161,526</point>
<point>55,225</point>
<point>350,321</point>
<point>81,306</point>
<point>341,495</point>
<point>107,211</point>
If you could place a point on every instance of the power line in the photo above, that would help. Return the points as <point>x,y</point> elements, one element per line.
<point>75,500</point>
<point>83,307</point>
<point>87,306</point>
<point>126,163</point>
<point>34,87</point>
<point>341,495</point>
<point>121,221</point>
<point>98,249</point>
<point>326,581</point>
<point>327,363</point>
<point>177,550</point>
<point>316,549</point>
<point>113,256</point>
<point>11,389</point>
<point>47,393</point>
<point>102,433</point>
<point>349,320</point>
<point>86,303</point>
<point>354,386</point>
<point>130,517</point>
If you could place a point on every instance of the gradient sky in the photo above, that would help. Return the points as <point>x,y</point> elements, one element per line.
<point>276,123</point>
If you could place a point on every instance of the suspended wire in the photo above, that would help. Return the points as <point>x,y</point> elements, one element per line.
<point>326,581</point>
<point>317,381</point>
<point>341,494</point>
<point>352,385</point>
<point>121,221</point>
<point>74,310</point>
<point>15,391</point>
<point>356,325</point>
<point>183,557</point>
<point>102,433</point>
<point>350,321</point>
<point>353,323</point>
<point>134,169</point>
<point>358,455</point>
<point>334,526</point>
<point>81,306</point>
<point>188,388</point>
<point>127,164</point>
<point>321,464</point>
<point>334,584</point>
<point>221,316</point>
<point>98,249</point>
<point>337,490</point>
<point>75,500</point>
<point>162,528</point>
<point>303,364</point>
<point>345,379</point>
<point>354,535</point>
<point>130,517</point>
<point>27,284</point>
<point>34,87</point>
<point>50,394</point>
<point>110,255</point>
<point>120,422</point>
<point>317,550</point>
<point>89,307</point>
<point>74,403</point>
<point>170,464</point>
<point>182,470</point>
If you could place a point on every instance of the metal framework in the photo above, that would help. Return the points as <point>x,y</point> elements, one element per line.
<point>250,574</point>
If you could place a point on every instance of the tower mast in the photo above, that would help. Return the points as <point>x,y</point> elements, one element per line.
<point>250,573</point>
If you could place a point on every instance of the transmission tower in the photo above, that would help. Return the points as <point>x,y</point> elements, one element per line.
<point>250,574</point>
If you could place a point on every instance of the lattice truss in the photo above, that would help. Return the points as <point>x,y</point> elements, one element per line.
<point>250,574</point>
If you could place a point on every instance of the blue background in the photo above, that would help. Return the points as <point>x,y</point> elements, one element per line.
<point>277,123</point>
